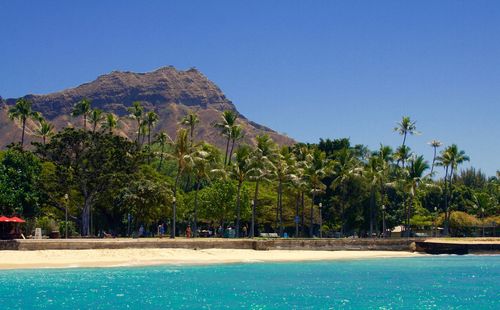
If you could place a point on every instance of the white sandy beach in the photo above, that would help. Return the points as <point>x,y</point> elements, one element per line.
<point>144,257</point>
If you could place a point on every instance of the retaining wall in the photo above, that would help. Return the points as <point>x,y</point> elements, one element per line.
<point>269,244</point>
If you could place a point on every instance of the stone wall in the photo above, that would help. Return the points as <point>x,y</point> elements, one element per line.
<point>260,244</point>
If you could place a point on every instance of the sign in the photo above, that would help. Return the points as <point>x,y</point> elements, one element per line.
<point>297,219</point>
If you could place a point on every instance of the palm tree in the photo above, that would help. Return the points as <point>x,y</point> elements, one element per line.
<point>110,123</point>
<point>225,125</point>
<point>22,111</point>
<point>416,171</point>
<point>236,134</point>
<point>239,170</point>
<point>161,139</point>
<point>262,169</point>
<point>136,112</point>
<point>201,162</point>
<point>285,164</point>
<point>95,117</point>
<point>150,120</point>
<point>345,167</point>
<point>434,144</point>
<point>181,154</point>
<point>317,167</point>
<point>403,153</point>
<point>301,184</point>
<point>190,120</point>
<point>405,127</point>
<point>82,108</point>
<point>375,173</point>
<point>46,130</point>
<point>450,158</point>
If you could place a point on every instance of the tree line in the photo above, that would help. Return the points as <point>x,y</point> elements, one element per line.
<point>106,182</point>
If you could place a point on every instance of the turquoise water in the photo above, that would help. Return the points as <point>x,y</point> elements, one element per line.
<point>437,282</point>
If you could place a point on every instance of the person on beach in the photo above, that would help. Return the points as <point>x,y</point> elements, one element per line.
<point>188,232</point>
<point>141,231</point>
<point>244,231</point>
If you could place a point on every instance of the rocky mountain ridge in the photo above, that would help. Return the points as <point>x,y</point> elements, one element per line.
<point>171,93</point>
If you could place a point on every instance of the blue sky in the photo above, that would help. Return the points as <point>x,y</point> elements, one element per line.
<point>310,69</point>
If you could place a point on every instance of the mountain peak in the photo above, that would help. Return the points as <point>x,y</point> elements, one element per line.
<point>167,91</point>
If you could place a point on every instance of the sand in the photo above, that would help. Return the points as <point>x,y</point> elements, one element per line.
<point>145,257</point>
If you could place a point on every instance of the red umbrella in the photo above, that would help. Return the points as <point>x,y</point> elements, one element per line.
<point>15,219</point>
<point>4,219</point>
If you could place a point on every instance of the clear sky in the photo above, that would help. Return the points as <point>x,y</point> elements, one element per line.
<point>310,69</point>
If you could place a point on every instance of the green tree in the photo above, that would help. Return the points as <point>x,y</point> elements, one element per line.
<point>190,120</point>
<point>435,144</point>
<point>262,169</point>
<point>182,155</point>
<point>450,158</point>
<point>225,126</point>
<point>236,135</point>
<point>317,168</point>
<point>82,108</point>
<point>136,112</point>
<point>22,111</point>
<point>19,183</point>
<point>240,169</point>
<point>95,118</point>
<point>150,119</point>
<point>45,130</point>
<point>110,122</point>
<point>202,162</point>
<point>415,176</point>
<point>345,168</point>
<point>405,127</point>
<point>91,164</point>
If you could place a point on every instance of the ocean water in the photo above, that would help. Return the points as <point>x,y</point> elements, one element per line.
<point>437,282</point>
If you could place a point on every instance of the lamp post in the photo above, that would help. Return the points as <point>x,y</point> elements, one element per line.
<point>383,221</point>
<point>172,232</point>
<point>320,220</point>
<point>252,227</point>
<point>66,198</point>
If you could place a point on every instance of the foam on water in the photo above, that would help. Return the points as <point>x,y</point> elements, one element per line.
<point>434,282</point>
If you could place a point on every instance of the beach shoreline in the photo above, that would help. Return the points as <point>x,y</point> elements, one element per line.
<point>150,257</point>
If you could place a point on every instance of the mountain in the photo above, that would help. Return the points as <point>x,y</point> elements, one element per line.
<point>171,93</point>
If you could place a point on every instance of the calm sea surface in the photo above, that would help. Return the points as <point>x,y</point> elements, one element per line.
<point>438,282</point>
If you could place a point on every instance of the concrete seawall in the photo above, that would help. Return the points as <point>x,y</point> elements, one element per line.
<point>259,244</point>
<point>430,247</point>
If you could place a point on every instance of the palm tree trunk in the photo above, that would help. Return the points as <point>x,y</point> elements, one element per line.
<point>138,132</point>
<point>227,149</point>
<point>280,205</point>
<point>195,224</point>
<point>409,213</point>
<point>174,215</point>
<point>297,203</point>
<point>256,194</point>
<point>312,214</point>
<point>22,134</point>
<point>149,134</point>
<point>191,133</point>
<point>446,202</point>
<point>161,156</point>
<point>302,222</point>
<point>231,151</point>
<point>84,121</point>
<point>372,207</point>
<point>433,161</point>
<point>240,183</point>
